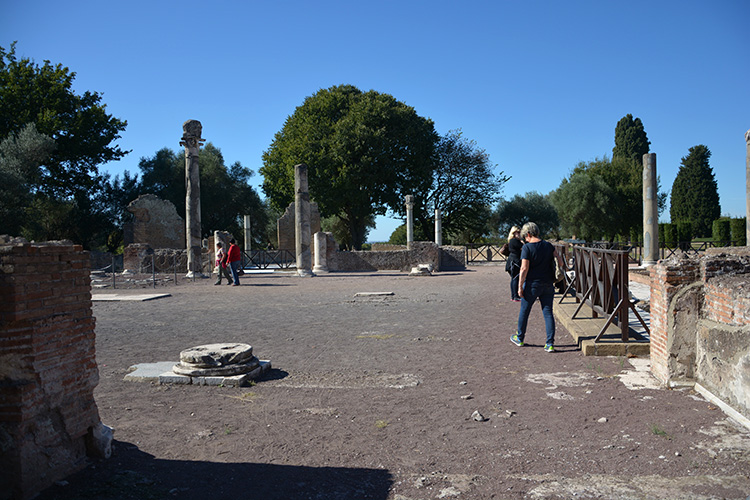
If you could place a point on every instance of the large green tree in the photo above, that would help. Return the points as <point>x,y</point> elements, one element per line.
<point>83,131</point>
<point>631,141</point>
<point>587,206</point>
<point>63,187</point>
<point>364,151</point>
<point>464,186</point>
<point>226,195</point>
<point>695,195</point>
<point>530,207</point>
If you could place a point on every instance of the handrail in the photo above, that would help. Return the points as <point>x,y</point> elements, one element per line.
<point>601,282</point>
<point>262,259</point>
<point>483,252</point>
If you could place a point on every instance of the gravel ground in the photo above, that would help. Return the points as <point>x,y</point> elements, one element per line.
<point>373,397</point>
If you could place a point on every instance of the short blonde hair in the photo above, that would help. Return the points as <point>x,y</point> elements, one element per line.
<point>513,231</point>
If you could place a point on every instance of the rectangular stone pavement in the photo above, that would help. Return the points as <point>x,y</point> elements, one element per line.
<point>584,330</point>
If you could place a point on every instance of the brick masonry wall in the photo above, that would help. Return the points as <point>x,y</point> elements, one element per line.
<point>48,369</point>
<point>667,279</point>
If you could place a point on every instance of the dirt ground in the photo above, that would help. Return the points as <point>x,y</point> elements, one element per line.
<point>372,397</point>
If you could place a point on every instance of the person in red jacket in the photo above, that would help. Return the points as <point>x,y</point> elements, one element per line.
<point>234,261</point>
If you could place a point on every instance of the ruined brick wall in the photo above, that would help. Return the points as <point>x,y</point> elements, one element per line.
<point>285,231</point>
<point>48,369</point>
<point>700,323</point>
<point>668,279</point>
<point>141,258</point>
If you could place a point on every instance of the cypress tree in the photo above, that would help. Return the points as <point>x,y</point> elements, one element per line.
<point>695,195</point>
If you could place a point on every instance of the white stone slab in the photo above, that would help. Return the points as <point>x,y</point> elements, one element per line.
<point>148,372</point>
<point>118,297</point>
<point>171,377</point>
<point>372,294</point>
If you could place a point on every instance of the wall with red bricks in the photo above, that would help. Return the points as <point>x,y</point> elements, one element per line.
<point>700,323</point>
<point>48,369</point>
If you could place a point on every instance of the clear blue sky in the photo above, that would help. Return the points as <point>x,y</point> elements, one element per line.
<point>540,85</point>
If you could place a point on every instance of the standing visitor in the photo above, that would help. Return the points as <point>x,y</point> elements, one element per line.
<point>234,261</point>
<point>221,264</point>
<point>536,282</point>
<point>513,263</point>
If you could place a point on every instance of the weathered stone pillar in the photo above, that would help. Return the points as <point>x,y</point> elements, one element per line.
<point>409,220</point>
<point>248,235</point>
<point>302,234</point>
<point>438,228</point>
<point>191,140</point>
<point>747,189</point>
<point>321,248</point>
<point>650,212</point>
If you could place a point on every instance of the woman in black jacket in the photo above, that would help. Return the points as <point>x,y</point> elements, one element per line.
<point>513,264</point>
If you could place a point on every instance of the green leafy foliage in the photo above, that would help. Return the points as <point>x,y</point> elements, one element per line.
<point>739,231</point>
<point>721,231</point>
<point>631,142</point>
<point>695,195</point>
<point>53,141</point>
<point>530,207</point>
<point>364,151</point>
<point>226,195</point>
<point>587,206</point>
<point>463,188</point>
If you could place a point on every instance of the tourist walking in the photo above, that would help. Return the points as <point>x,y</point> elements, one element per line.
<point>535,281</point>
<point>513,262</point>
<point>234,261</point>
<point>221,264</point>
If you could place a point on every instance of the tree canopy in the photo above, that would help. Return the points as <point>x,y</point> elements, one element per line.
<point>79,124</point>
<point>364,151</point>
<point>587,206</point>
<point>631,141</point>
<point>695,195</point>
<point>226,195</point>
<point>53,142</point>
<point>464,187</point>
<point>530,207</point>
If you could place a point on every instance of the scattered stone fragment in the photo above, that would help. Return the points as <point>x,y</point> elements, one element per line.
<point>467,396</point>
<point>478,416</point>
<point>603,420</point>
<point>463,382</point>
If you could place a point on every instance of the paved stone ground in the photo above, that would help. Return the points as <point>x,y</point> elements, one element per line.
<point>372,397</point>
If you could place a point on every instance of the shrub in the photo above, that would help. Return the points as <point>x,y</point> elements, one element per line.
<point>722,233</point>
<point>738,230</point>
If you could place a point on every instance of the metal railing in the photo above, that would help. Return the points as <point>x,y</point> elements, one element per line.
<point>483,252</point>
<point>601,281</point>
<point>263,259</point>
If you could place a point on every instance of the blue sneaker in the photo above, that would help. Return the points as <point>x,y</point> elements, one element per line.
<point>549,348</point>
<point>514,338</point>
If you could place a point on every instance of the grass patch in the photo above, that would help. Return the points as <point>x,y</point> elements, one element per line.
<point>658,431</point>
<point>381,424</point>
<point>376,336</point>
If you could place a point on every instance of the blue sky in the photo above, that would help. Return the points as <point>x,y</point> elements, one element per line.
<point>540,85</point>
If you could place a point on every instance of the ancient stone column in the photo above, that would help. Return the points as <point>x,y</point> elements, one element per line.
<point>248,235</point>
<point>321,263</point>
<point>438,228</point>
<point>409,220</point>
<point>650,212</point>
<point>747,189</point>
<point>191,140</point>
<point>302,235</point>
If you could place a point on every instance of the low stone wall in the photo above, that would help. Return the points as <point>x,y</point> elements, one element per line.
<point>422,252</point>
<point>700,324</point>
<point>137,258</point>
<point>48,368</point>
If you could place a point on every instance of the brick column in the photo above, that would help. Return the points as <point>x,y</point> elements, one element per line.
<point>47,352</point>
<point>668,278</point>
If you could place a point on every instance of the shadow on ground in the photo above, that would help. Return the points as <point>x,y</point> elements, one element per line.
<point>133,474</point>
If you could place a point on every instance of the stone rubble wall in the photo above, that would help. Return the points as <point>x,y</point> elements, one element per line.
<point>48,369</point>
<point>700,323</point>
<point>422,252</point>
<point>137,258</point>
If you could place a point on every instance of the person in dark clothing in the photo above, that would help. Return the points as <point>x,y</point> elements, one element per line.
<point>513,263</point>
<point>535,281</point>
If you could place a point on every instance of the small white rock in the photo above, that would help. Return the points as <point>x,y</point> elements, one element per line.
<point>603,420</point>
<point>478,416</point>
